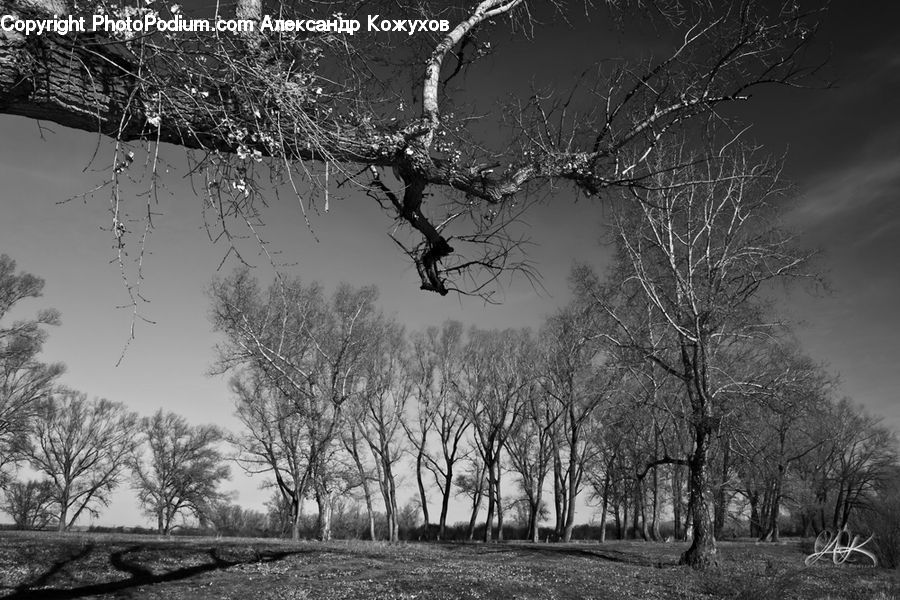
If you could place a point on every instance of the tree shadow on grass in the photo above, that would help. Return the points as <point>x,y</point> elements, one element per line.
<point>139,574</point>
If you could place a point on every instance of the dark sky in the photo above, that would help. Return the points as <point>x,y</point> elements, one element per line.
<point>843,152</point>
<point>843,149</point>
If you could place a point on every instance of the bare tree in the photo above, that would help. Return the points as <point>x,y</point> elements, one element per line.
<point>268,342</point>
<point>434,366</point>
<point>472,483</point>
<point>180,470</point>
<point>865,456</point>
<point>351,438</point>
<point>317,107</point>
<point>383,401</point>
<point>530,450</point>
<point>280,514</point>
<point>698,246</point>
<point>29,503</point>
<point>24,380</point>
<point>273,441</point>
<point>234,520</point>
<point>305,349</point>
<point>774,427</point>
<point>579,383</point>
<point>417,432</point>
<point>83,447</point>
<point>645,429</point>
<point>496,373</point>
<point>342,348</point>
<point>605,474</point>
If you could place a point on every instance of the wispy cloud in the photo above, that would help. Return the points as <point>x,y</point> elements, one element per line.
<point>856,189</point>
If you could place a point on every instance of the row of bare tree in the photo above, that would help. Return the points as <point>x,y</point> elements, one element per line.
<point>673,368</point>
<point>84,449</point>
<point>667,387</point>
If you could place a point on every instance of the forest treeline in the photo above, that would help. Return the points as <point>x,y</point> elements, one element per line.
<point>338,403</point>
<point>667,390</point>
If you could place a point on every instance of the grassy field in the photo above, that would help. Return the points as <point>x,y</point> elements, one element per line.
<point>49,565</point>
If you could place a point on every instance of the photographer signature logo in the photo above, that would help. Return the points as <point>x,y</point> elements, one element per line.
<point>839,546</point>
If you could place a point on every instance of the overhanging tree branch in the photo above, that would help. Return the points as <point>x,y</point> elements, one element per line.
<point>307,100</point>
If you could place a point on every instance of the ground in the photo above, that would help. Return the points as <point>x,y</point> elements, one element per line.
<point>49,565</point>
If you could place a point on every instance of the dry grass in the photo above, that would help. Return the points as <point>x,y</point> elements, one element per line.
<point>48,565</point>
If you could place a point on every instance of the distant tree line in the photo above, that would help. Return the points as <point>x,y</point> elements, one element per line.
<point>83,449</point>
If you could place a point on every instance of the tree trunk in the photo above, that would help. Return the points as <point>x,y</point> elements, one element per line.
<point>169,521</point>
<point>676,502</point>
<point>476,506</point>
<point>720,500</point>
<point>391,503</point>
<point>323,500</point>
<point>63,515</point>
<point>603,508</point>
<point>574,477</point>
<point>389,493</point>
<point>718,513</point>
<point>806,524</point>
<point>445,502</point>
<point>688,523</point>
<point>637,510</point>
<point>570,506</point>
<point>654,526</point>
<point>370,509</point>
<point>353,448</point>
<point>559,496</point>
<point>755,528</point>
<point>93,84</point>
<point>642,498</point>
<point>838,506</point>
<point>822,500</point>
<point>771,533</point>
<point>535,509</point>
<point>765,509</point>
<point>296,506</point>
<point>295,528</point>
<point>618,519</point>
<point>849,503</point>
<point>499,504</point>
<point>489,523</point>
<point>702,552</point>
<point>422,497</point>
